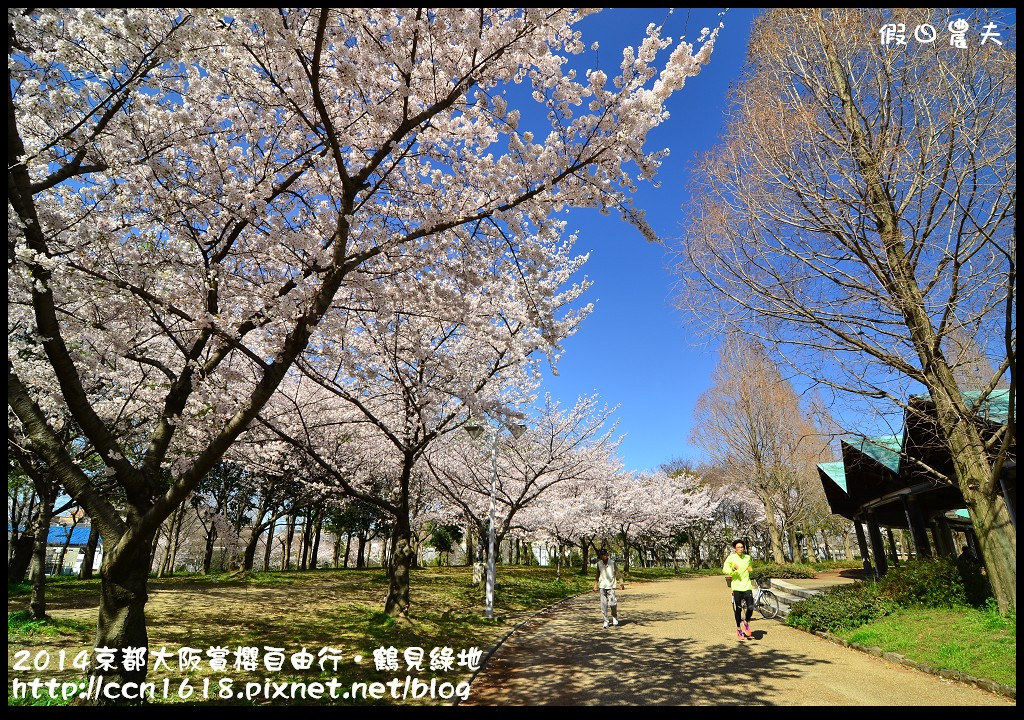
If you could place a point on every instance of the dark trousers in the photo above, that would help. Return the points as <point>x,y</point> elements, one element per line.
<point>738,596</point>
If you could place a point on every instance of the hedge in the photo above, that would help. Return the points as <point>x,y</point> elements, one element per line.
<point>762,572</point>
<point>930,582</point>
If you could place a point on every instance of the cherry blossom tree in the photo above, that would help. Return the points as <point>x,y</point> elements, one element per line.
<point>398,379</point>
<point>573,513</point>
<point>189,191</point>
<point>559,446</point>
<point>649,508</point>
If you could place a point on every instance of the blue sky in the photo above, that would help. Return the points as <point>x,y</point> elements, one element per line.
<point>634,349</point>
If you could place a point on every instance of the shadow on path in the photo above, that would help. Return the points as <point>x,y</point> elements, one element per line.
<point>676,645</point>
<point>673,671</point>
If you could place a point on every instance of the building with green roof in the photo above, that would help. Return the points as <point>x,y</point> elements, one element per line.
<point>906,481</point>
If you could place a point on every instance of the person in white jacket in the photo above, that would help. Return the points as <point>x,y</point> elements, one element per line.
<point>607,578</point>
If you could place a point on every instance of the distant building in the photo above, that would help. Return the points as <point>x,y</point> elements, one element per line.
<point>65,549</point>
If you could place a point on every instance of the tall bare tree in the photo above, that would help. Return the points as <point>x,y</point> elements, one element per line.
<point>860,212</point>
<point>751,423</point>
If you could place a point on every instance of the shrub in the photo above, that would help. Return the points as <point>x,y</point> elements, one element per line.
<point>762,572</point>
<point>976,584</point>
<point>935,582</point>
<point>840,608</point>
<point>837,565</point>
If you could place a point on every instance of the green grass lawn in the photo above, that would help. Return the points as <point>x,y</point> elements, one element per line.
<point>340,609</point>
<point>980,643</point>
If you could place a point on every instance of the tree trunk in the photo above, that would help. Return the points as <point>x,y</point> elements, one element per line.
<point>348,546</point>
<point>211,538</point>
<point>249,556</point>
<point>307,541</point>
<point>401,560</point>
<point>37,606</point>
<point>812,552</point>
<point>387,549</point>
<point>122,616</point>
<point>85,573</point>
<point>68,534</point>
<point>161,569</point>
<point>316,542</point>
<point>794,545</point>
<point>997,536</point>
<point>155,549</point>
<point>695,560</point>
<point>177,539</point>
<point>269,547</point>
<point>166,559</point>
<point>585,553</point>
<point>773,529</point>
<point>848,545</point>
<point>19,550</point>
<point>361,551</point>
<point>403,551</point>
<point>996,533</point>
<point>286,560</point>
<point>469,545</point>
<point>21,556</point>
<point>58,562</point>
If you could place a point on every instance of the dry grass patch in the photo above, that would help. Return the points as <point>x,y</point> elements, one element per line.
<point>339,609</point>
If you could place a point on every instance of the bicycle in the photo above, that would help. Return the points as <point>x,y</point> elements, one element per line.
<point>765,603</point>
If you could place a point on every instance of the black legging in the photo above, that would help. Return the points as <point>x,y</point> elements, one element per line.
<point>737,598</point>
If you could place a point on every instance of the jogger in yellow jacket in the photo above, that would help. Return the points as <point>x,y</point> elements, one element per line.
<point>737,567</point>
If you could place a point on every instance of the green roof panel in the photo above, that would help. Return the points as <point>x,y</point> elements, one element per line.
<point>836,472</point>
<point>996,407</point>
<point>884,449</point>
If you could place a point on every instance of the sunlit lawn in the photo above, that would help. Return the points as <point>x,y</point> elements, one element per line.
<point>339,609</point>
<point>979,643</point>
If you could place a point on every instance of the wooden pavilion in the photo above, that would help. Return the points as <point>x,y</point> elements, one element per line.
<point>905,482</point>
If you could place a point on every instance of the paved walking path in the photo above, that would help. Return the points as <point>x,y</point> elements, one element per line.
<point>676,645</point>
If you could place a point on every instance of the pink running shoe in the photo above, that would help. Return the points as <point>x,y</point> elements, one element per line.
<point>739,634</point>
<point>746,630</point>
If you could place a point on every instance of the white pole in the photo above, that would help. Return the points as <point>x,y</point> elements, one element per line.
<point>489,612</point>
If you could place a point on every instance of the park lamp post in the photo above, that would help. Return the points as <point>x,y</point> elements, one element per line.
<point>476,430</point>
